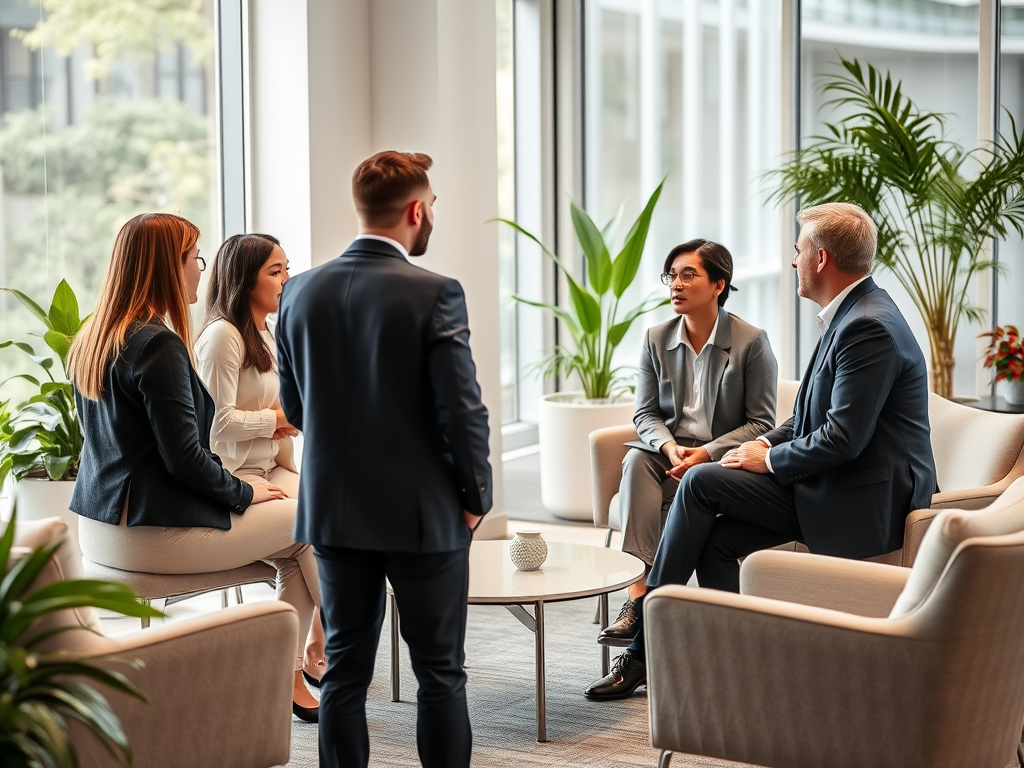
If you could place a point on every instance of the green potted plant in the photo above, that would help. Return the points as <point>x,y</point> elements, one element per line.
<point>935,204</point>
<point>1005,355</point>
<point>41,691</point>
<point>596,323</point>
<point>41,439</point>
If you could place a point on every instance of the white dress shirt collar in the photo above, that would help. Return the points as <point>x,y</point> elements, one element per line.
<point>684,339</point>
<point>389,241</point>
<point>824,318</point>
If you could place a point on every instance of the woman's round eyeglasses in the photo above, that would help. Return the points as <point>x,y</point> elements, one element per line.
<point>685,277</point>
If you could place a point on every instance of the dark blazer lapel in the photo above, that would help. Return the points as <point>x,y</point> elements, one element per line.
<point>825,342</point>
<point>855,295</point>
<point>719,353</point>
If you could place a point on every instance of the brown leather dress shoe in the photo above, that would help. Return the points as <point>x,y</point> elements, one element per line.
<point>627,674</point>
<point>620,633</point>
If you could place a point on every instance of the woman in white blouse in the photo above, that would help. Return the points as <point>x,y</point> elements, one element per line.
<point>236,357</point>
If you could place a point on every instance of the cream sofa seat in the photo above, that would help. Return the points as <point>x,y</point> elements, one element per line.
<point>220,685</point>
<point>820,677</point>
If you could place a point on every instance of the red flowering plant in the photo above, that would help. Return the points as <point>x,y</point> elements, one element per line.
<point>1005,353</point>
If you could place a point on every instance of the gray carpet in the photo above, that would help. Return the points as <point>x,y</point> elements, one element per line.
<point>499,660</point>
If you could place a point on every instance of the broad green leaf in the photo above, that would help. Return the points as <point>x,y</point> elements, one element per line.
<point>60,343</point>
<point>34,308</point>
<point>625,265</point>
<point>588,311</point>
<point>63,315</point>
<point>599,262</point>
<point>612,227</point>
<point>56,466</point>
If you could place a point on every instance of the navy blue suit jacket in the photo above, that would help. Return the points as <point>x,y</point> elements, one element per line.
<point>857,449</point>
<point>376,370</point>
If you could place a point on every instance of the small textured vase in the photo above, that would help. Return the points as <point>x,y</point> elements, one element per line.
<point>1014,391</point>
<point>528,550</point>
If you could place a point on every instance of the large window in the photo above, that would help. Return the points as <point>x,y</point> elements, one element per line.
<point>932,47</point>
<point>107,112</point>
<point>686,90</point>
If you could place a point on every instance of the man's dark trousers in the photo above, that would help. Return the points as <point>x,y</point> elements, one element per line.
<point>431,590</point>
<point>718,516</point>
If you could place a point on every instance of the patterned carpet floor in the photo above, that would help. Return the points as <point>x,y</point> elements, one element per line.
<point>499,661</point>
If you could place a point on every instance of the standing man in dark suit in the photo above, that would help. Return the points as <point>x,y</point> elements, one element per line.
<point>376,371</point>
<point>843,473</point>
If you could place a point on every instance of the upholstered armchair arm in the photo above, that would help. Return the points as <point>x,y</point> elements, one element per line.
<point>772,683</point>
<point>607,450</point>
<point>220,688</point>
<point>913,533</point>
<point>853,586</point>
<point>973,498</point>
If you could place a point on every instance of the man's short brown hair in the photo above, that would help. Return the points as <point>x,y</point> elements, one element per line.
<point>384,183</point>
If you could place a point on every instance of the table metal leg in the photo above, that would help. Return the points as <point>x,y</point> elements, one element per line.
<point>396,681</point>
<point>535,624</point>
<point>542,707</point>
<point>602,610</point>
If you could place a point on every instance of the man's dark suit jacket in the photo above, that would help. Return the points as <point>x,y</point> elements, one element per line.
<point>376,370</point>
<point>150,432</point>
<point>857,449</point>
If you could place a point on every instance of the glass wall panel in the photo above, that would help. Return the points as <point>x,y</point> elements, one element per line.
<point>100,121</point>
<point>506,103</point>
<point>1010,292</point>
<point>932,47</point>
<point>688,90</point>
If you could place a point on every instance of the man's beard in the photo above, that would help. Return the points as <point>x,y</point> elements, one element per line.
<point>420,246</point>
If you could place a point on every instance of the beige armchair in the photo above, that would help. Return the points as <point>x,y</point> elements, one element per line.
<point>977,455</point>
<point>802,671</point>
<point>220,684</point>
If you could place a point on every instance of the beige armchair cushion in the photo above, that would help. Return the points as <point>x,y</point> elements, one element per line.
<point>950,527</point>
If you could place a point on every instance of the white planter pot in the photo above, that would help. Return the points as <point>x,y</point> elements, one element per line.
<point>38,499</point>
<point>1013,391</point>
<point>565,422</point>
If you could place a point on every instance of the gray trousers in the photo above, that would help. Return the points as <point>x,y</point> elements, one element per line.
<point>645,495</point>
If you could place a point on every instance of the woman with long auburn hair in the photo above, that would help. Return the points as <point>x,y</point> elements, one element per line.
<point>152,495</point>
<point>236,357</point>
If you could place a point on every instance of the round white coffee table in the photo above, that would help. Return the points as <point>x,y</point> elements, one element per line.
<point>571,572</point>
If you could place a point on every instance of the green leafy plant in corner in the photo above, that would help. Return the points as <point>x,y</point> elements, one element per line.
<point>42,437</point>
<point>934,214</point>
<point>593,318</point>
<point>42,691</point>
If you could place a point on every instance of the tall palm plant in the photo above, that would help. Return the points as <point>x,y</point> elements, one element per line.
<point>935,204</point>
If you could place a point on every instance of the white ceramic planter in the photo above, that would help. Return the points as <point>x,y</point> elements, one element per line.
<point>38,499</point>
<point>565,420</point>
<point>1013,391</point>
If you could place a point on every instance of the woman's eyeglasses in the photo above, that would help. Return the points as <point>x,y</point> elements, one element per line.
<point>685,277</point>
<point>202,264</point>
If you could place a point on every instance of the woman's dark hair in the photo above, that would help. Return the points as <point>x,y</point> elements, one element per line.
<point>714,258</point>
<point>235,271</point>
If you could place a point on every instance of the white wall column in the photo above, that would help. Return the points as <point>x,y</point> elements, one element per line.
<point>331,83</point>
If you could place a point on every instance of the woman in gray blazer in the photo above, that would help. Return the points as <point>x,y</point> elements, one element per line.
<point>706,384</point>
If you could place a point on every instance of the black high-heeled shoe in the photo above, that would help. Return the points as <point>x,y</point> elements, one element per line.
<point>312,681</point>
<point>306,714</point>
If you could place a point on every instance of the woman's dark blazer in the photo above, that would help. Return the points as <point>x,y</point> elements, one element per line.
<point>149,433</point>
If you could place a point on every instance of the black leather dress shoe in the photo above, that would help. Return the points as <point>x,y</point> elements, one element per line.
<point>627,674</point>
<point>620,633</point>
<point>306,714</point>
